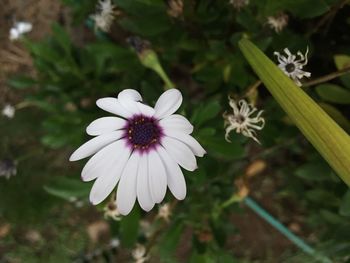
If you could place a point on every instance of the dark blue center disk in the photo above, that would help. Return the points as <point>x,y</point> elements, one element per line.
<point>143,132</point>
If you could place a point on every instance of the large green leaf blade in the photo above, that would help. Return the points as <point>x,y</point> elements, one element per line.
<point>331,141</point>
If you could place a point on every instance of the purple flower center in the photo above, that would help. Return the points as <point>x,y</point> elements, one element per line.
<point>143,132</point>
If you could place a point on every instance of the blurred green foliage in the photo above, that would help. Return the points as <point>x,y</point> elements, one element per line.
<point>199,51</point>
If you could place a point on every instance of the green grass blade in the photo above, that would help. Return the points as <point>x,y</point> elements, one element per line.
<point>331,141</point>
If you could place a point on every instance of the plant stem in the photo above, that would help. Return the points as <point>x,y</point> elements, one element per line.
<point>328,77</point>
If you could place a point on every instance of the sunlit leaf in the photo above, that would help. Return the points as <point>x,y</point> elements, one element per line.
<point>323,132</point>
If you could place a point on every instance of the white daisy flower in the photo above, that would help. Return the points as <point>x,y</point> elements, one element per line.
<point>139,254</point>
<point>238,4</point>
<point>142,149</point>
<point>8,111</point>
<point>292,66</point>
<point>278,22</point>
<point>242,121</point>
<point>105,15</point>
<point>19,29</point>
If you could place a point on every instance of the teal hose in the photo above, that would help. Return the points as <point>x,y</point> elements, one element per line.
<point>284,230</point>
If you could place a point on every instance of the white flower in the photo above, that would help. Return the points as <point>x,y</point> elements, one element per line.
<point>143,148</point>
<point>278,22</point>
<point>292,66</point>
<point>111,211</point>
<point>139,254</point>
<point>114,243</point>
<point>238,4</point>
<point>105,16</point>
<point>8,111</point>
<point>164,212</point>
<point>19,29</point>
<point>242,121</point>
<point>8,168</point>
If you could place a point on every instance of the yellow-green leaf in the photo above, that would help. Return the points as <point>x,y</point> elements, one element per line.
<point>330,140</point>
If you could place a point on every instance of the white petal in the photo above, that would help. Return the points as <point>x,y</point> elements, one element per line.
<point>24,27</point>
<point>130,94</point>
<point>145,109</point>
<point>180,152</point>
<point>105,125</point>
<point>112,105</point>
<point>156,177</point>
<point>126,194</point>
<point>143,191</point>
<point>191,142</point>
<point>176,122</point>
<point>168,103</point>
<point>95,144</point>
<point>105,183</point>
<point>175,178</point>
<point>102,161</point>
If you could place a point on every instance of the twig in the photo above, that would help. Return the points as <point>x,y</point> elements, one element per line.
<point>328,16</point>
<point>327,77</point>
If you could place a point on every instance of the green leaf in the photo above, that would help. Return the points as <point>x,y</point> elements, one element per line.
<point>218,145</point>
<point>315,171</point>
<point>331,141</point>
<point>344,209</point>
<point>169,243</point>
<point>300,8</point>
<point>62,37</point>
<point>129,227</point>
<point>205,113</point>
<point>336,115</point>
<point>68,188</point>
<point>21,82</point>
<point>333,93</point>
<point>342,62</point>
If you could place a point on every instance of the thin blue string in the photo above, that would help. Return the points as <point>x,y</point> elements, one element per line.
<point>284,230</point>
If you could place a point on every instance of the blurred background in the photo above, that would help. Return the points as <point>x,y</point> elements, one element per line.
<point>61,59</point>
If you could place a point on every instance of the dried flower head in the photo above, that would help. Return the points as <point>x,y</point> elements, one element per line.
<point>105,15</point>
<point>239,4</point>
<point>8,111</point>
<point>164,212</point>
<point>278,22</point>
<point>139,254</point>
<point>292,66</point>
<point>111,211</point>
<point>8,168</point>
<point>242,121</point>
<point>175,8</point>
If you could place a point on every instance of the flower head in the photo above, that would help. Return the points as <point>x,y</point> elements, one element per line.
<point>8,168</point>
<point>19,29</point>
<point>238,4</point>
<point>242,121</point>
<point>292,66</point>
<point>105,15</point>
<point>142,149</point>
<point>175,8</point>
<point>164,212</point>
<point>111,211</point>
<point>278,22</point>
<point>139,254</point>
<point>8,111</point>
